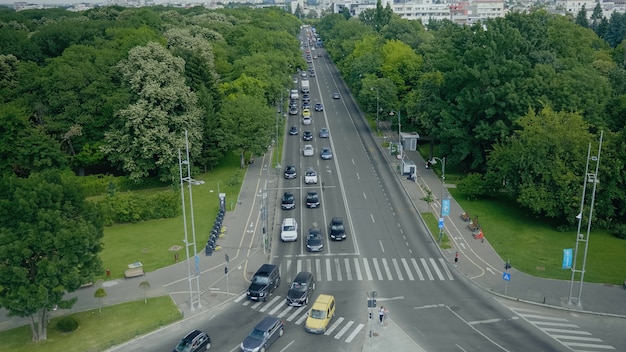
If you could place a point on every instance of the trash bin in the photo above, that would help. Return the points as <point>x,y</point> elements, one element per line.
<point>108,273</point>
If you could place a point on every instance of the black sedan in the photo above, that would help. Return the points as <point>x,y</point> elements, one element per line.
<point>314,240</point>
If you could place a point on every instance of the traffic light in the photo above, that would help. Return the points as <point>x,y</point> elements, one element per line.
<point>507,266</point>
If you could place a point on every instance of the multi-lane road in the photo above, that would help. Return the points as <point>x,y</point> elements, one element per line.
<point>388,251</point>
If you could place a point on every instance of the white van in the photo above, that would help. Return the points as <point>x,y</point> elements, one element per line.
<point>289,230</point>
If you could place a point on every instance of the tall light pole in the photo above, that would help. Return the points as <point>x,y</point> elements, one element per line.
<point>399,139</point>
<point>443,179</point>
<point>190,181</point>
<point>593,178</point>
<point>377,107</point>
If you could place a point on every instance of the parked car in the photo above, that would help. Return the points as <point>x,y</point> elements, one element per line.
<point>326,154</point>
<point>263,335</point>
<point>312,199</point>
<point>308,150</point>
<point>324,132</point>
<point>264,282</point>
<point>314,240</point>
<point>289,230</point>
<point>319,107</point>
<point>301,289</point>
<point>337,230</point>
<point>310,176</point>
<point>288,202</point>
<point>290,172</point>
<point>293,130</point>
<point>194,341</point>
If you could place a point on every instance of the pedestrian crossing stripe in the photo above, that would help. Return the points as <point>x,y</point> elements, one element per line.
<point>297,315</point>
<point>563,331</point>
<point>370,269</point>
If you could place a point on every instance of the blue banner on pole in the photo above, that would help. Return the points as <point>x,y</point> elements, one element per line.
<point>197,265</point>
<point>567,258</point>
<point>445,207</point>
<point>441,223</point>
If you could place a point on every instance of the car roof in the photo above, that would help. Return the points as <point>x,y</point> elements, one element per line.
<point>302,276</point>
<point>266,323</point>
<point>337,219</point>
<point>192,335</point>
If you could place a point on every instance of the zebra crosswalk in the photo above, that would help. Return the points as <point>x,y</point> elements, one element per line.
<point>370,269</point>
<point>339,327</point>
<point>562,330</point>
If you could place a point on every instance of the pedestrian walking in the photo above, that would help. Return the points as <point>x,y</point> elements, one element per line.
<point>381,314</point>
<point>456,258</point>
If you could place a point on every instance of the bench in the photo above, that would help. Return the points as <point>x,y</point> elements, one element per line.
<point>466,217</point>
<point>472,226</point>
<point>134,272</point>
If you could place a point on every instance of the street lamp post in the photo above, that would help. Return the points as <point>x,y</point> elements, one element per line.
<point>433,161</point>
<point>399,140</point>
<point>377,107</point>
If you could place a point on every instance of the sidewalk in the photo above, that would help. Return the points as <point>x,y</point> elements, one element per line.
<point>480,262</point>
<point>244,257</point>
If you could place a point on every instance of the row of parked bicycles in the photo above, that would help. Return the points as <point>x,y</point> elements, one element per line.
<point>218,231</point>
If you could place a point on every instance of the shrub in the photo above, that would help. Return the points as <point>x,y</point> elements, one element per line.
<point>620,231</point>
<point>128,207</point>
<point>67,324</point>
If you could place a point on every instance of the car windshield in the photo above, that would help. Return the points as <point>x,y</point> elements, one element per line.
<point>337,227</point>
<point>288,197</point>
<point>257,334</point>
<point>183,346</point>
<point>289,228</point>
<point>318,314</point>
<point>310,173</point>
<point>260,280</point>
<point>298,286</point>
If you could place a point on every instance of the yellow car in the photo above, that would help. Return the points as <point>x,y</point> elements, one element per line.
<point>306,112</point>
<point>320,314</point>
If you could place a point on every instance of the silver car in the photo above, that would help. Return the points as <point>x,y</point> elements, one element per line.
<point>308,150</point>
<point>326,154</point>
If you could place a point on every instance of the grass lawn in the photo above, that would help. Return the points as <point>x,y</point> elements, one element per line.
<point>432,222</point>
<point>535,247</point>
<point>97,331</point>
<point>150,242</point>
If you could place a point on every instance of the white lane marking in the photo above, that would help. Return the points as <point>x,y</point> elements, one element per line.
<point>268,305</point>
<point>381,246</point>
<point>296,313</point>
<point>329,276</point>
<point>397,267</point>
<point>344,330</point>
<point>318,270</point>
<point>377,268</point>
<point>367,269</point>
<point>407,269</point>
<point>338,268</point>
<point>334,326</point>
<point>417,269</point>
<point>348,273</point>
<point>354,333</point>
<point>434,264</point>
<point>430,275</point>
<point>358,269</point>
<point>445,268</point>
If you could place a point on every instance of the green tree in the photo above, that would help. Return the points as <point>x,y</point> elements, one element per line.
<point>100,294</point>
<point>150,131</point>
<point>145,286</point>
<point>581,18</point>
<point>50,238</point>
<point>247,125</point>
<point>542,164</point>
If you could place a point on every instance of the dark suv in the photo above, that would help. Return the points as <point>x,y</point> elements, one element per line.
<point>301,289</point>
<point>264,282</point>
<point>288,202</point>
<point>263,335</point>
<point>194,341</point>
